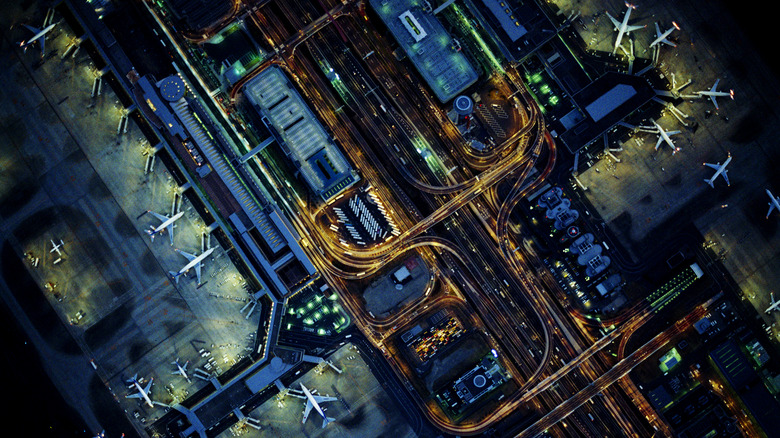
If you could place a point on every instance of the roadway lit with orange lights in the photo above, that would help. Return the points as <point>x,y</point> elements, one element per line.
<point>524,160</point>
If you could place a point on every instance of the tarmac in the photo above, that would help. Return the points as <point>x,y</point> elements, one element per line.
<point>650,197</point>
<point>69,175</point>
<point>364,409</point>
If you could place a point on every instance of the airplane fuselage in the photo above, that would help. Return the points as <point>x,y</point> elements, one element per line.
<point>38,35</point>
<point>662,37</point>
<point>143,393</point>
<point>715,93</point>
<point>774,203</point>
<point>170,221</point>
<point>182,371</point>
<point>665,136</point>
<point>313,402</point>
<point>721,168</point>
<point>194,262</point>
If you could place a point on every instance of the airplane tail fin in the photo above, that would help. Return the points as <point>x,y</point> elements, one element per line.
<point>709,181</point>
<point>175,276</point>
<point>327,420</point>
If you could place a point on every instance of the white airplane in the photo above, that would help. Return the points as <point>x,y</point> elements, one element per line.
<point>713,93</point>
<point>39,34</point>
<point>167,222</point>
<point>773,305</point>
<point>313,401</point>
<point>195,261</point>
<point>623,27</point>
<point>181,369</point>
<point>661,37</point>
<point>56,247</point>
<point>143,393</point>
<point>774,203</point>
<point>720,169</point>
<point>664,136</point>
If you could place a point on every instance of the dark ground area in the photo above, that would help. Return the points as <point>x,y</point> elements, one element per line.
<point>36,407</point>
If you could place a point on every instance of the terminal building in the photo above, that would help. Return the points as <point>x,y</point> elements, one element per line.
<point>518,28</point>
<point>601,105</point>
<point>300,134</point>
<point>428,45</point>
<point>265,235</point>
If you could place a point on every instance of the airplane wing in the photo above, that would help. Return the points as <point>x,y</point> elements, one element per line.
<point>306,410</point>
<point>134,395</point>
<point>32,29</point>
<point>42,40</point>
<point>613,20</point>
<point>148,386</point>
<point>633,28</point>
<point>771,207</point>
<point>187,255</point>
<point>725,175</point>
<point>658,143</point>
<point>714,102</point>
<point>322,398</point>
<point>672,132</point>
<point>197,271</point>
<point>159,216</point>
<point>712,166</point>
<point>657,30</point>
<point>715,86</point>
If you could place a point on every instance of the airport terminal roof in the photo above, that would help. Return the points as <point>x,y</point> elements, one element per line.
<point>608,100</point>
<point>519,28</point>
<point>303,138</point>
<point>198,15</point>
<point>506,17</point>
<point>428,46</point>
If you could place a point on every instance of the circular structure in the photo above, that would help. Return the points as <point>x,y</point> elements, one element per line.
<point>172,88</point>
<point>277,364</point>
<point>479,381</point>
<point>464,105</point>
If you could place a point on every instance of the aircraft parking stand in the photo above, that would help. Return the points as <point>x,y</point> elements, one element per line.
<point>661,191</point>
<point>361,408</point>
<point>85,184</point>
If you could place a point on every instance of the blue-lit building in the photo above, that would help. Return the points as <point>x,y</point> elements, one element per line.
<point>300,134</point>
<point>428,46</point>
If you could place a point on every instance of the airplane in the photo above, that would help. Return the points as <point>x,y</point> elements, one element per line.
<point>661,37</point>
<point>720,169</point>
<point>143,393</point>
<point>39,34</point>
<point>623,27</point>
<point>181,369</point>
<point>56,247</point>
<point>773,305</point>
<point>713,93</point>
<point>663,135</point>
<point>195,261</point>
<point>313,401</point>
<point>775,203</point>
<point>167,222</point>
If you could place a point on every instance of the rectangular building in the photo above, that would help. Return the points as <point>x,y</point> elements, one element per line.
<point>302,137</point>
